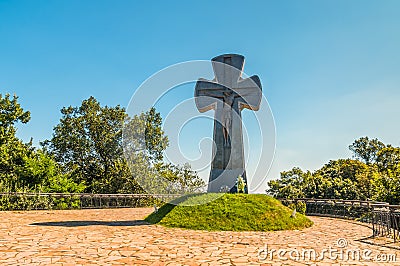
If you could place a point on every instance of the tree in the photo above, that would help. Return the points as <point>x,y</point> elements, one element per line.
<point>316,186</point>
<point>143,134</point>
<point>388,159</point>
<point>376,179</point>
<point>180,179</point>
<point>349,179</point>
<point>114,153</point>
<point>289,186</point>
<point>144,142</point>
<point>12,150</point>
<point>11,112</point>
<point>41,172</point>
<point>87,143</point>
<point>22,167</point>
<point>340,179</point>
<point>387,186</point>
<point>366,149</point>
<point>155,140</point>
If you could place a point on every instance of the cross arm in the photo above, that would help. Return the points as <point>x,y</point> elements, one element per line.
<point>207,93</point>
<point>250,92</point>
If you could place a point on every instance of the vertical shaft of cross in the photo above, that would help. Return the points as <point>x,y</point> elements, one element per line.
<point>228,162</point>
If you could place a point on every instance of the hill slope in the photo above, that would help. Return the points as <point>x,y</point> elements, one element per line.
<point>229,212</point>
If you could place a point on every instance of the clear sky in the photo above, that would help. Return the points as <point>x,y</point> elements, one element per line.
<point>330,69</point>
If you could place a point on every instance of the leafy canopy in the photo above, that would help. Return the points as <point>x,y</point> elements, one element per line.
<point>22,167</point>
<point>110,152</point>
<point>375,176</point>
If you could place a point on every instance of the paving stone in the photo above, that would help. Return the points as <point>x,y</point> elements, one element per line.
<point>32,238</point>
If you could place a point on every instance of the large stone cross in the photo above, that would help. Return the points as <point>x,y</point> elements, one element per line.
<point>228,94</point>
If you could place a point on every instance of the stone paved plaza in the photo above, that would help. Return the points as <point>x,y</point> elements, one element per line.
<point>119,236</point>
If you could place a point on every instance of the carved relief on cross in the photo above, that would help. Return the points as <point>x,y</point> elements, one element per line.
<point>229,87</point>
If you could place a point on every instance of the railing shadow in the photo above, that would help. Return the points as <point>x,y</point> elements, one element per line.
<point>90,223</point>
<point>370,241</point>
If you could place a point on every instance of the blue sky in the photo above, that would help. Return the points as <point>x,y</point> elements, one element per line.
<point>330,69</point>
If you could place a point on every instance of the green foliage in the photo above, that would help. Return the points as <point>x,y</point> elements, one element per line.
<point>85,154</point>
<point>347,179</point>
<point>24,168</point>
<point>155,140</point>
<point>143,134</point>
<point>240,184</point>
<point>111,152</point>
<point>388,158</point>
<point>340,179</point>
<point>25,202</point>
<point>86,143</point>
<point>180,179</point>
<point>229,212</point>
<point>387,186</point>
<point>143,150</point>
<point>11,112</point>
<point>143,143</point>
<point>291,184</point>
<point>41,173</point>
<point>13,153</point>
<point>366,149</point>
<point>376,179</point>
<point>299,206</point>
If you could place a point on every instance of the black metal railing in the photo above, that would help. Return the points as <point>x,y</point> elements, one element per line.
<point>46,201</point>
<point>384,218</point>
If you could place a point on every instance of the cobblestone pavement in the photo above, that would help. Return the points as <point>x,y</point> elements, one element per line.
<point>119,236</point>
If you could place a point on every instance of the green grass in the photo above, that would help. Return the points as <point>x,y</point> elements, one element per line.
<point>229,212</point>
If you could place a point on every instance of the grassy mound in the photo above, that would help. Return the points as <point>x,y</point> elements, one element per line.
<point>229,212</point>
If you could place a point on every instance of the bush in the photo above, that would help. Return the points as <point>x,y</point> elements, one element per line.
<point>300,206</point>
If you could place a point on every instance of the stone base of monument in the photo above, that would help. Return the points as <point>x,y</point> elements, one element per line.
<point>224,180</point>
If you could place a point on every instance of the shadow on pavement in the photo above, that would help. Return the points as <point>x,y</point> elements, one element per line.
<point>89,223</point>
<point>384,242</point>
